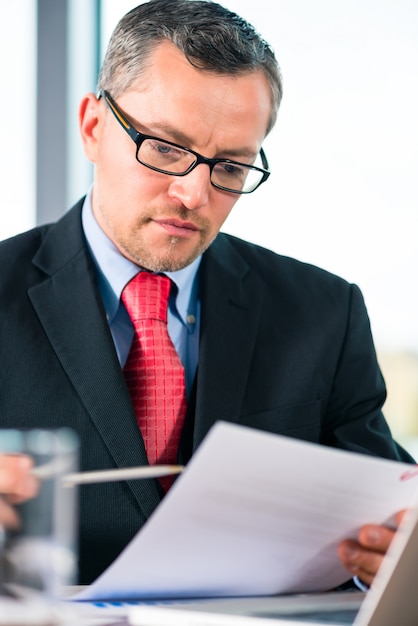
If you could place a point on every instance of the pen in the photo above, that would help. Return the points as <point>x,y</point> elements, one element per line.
<point>103,476</point>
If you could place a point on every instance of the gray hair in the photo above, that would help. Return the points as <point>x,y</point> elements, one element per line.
<point>211,37</point>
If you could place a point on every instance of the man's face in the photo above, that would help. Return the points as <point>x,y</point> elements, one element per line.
<point>158,221</point>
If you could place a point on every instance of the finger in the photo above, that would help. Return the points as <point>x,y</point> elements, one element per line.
<point>8,516</point>
<point>360,561</point>
<point>15,477</point>
<point>363,558</point>
<point>376,538</point>
<point>400,516</point>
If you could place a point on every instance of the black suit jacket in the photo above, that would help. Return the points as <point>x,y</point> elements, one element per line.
<point>284,347</point>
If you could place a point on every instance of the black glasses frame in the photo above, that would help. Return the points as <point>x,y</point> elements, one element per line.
<point>138,138</point>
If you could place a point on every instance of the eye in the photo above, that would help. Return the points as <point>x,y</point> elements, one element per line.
<point>231,170</point>
<point>165,149</point>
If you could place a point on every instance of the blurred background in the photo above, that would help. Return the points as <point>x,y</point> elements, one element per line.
<point>343,193</point>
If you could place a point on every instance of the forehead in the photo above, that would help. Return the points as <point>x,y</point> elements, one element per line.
<point>172,92</point>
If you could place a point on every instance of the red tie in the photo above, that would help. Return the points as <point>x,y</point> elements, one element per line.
<point>153,372</point>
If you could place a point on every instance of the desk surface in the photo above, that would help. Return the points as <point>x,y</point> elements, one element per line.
<point>35,612</point>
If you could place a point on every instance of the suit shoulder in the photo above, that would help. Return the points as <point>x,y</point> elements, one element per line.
<point>16,254</point>
<point>22,243</point>
<point>62,238</point>
<point>295,286</point>
<point>273,266</point>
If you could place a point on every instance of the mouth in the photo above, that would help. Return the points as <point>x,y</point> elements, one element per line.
<point>176,227</point>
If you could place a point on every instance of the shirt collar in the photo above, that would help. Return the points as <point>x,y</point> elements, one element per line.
<point>115,270</point>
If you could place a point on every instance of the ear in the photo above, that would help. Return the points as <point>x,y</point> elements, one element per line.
<point>91,120</point>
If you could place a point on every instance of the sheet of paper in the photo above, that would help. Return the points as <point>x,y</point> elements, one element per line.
<point>256,514</point>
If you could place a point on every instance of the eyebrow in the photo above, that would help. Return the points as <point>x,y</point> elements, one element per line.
<point>184,140</point>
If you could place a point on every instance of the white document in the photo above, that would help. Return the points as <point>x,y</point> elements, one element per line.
<point>256,514</point>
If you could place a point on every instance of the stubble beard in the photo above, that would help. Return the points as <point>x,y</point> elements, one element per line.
<point>135,247</point>
<point>171,259</point>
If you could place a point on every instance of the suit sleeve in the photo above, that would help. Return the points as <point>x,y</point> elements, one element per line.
<point>354,418</point>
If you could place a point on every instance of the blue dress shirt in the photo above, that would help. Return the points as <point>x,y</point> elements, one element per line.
<point>114,271</point>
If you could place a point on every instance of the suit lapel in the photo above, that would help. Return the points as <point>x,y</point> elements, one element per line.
<point>70,310</point>
<point>231,302</point>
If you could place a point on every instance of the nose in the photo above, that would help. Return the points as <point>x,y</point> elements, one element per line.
<point>193,189</point>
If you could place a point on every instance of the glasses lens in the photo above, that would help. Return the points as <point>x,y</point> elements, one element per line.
<point>236,177</point>
<point>164,156</point>
<point>172,159</point>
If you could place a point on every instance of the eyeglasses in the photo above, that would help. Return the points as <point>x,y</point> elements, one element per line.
<point>170,158</point>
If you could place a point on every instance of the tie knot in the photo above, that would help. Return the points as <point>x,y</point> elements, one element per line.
<point>146,296</point>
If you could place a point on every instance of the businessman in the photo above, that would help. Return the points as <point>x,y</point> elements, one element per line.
<point>187,93</point>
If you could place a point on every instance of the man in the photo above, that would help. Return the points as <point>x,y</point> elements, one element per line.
<point>187,93</point>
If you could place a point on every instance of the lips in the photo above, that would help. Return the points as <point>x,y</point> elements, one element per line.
<point>177,227</point>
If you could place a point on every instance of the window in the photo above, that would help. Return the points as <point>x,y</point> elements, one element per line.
<point>17,115</point>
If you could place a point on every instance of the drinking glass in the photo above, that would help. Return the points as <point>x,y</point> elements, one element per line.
<point>39,557</point>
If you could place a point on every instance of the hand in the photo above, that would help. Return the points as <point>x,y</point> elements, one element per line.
<point>363,557</point>
<point>16,485</point>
